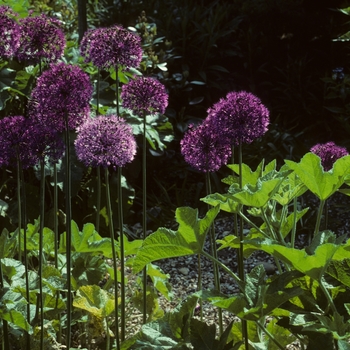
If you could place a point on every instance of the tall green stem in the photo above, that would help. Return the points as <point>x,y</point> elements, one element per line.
<point>68,234</point>
<point>19,203</point>
<point>122,253</point>
<point>144,216</point>
<point>294,230</point>
<point>215,255</point>
<point>241,248</point>
<point>41,255</point>
<point>199,287</point>
<point>22,209</point>
<point>114,255</point>
<point>98,200</point>
<point>117,88</point>
<point>319,217</point>
<point>5,332</point>
<point>264,329</point>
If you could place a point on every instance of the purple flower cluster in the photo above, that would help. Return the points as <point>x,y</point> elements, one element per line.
<point>21,138</point>
<point>41,38</point>
<point>204,149</point>
<point>144,95</point>
<point>329,152</point>
<point>62,93</point>
<point>9,32</point>
<point>108,47</point>
<point>240,116</point>
<point>105,141</point>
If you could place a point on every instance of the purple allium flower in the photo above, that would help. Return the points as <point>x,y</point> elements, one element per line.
<point>63,91</point>
<point>9,32</point>
<point>205,149</point>
<point>41,38</point>
<point>144,94</point>
<point>105,141</point>
<point>47,144</point>
<point>108,47</point>
<point>241,116</point>
<point>329,152</point>
<point>16,142</point>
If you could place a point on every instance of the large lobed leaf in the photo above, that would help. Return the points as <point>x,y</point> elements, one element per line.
<point>165,243</point>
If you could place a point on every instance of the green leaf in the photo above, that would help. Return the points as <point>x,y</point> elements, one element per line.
<point>226,202</point>
<point>203,336</point>
<point>340,270</point>
<point>322,184</point>
<point>311,265</point>
<point>12,269</point>
<point>165,243</point>
<point>160,280</point>
<point>16,318</point>
<point>95,300</point>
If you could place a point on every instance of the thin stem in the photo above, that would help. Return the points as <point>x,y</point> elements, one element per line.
<point>215,254</point>
<point>241,248</point>
<point>21,185</point>
<point>319,216</point>
<point>41,254</point>
<point>98,93</point>
<point>5,332</point>
<point>68,234</point>
<point>122,252</point>
<point>294,230</point>
<point>199,287</point>
<point>114,255</point>
<point>117,88</point>
<point>98,200</point>
<point>144,216</point>
<point>55,230</point>
<point>19,203</point>
<point>326,214</point>
<point>328,296</point>
<point>226,269</point>
<point>270,335</point>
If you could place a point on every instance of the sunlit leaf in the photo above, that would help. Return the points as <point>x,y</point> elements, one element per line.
<point>165,243</point>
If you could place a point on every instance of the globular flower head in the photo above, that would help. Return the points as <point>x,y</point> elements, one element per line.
<point>9,32</point>
<point>241,116</point>
<point>144,95</point>
<point>105,141</point>
<point>41,38</point>
<point>204,149</point>
<point>328,152</point>
<point>63,91</point>
<point>113,46</point>
<point>46,144</point>
<point>16,142</point>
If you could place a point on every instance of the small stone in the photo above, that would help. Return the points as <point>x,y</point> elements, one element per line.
<point>269,268</point>
<point>184,270</point>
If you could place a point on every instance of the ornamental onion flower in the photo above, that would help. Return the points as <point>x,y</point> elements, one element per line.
<point>329,152</point>
<point>41,38</point>
<point>16,142</point>
<point>9,32</point>
<point>144,95</point>
<point>205,149</point>
<point>63,91</point>
<point>105,141</point>
<point>240,116</point>
<point>107,47</point>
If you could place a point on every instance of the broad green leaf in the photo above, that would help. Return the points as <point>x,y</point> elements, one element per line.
<point>165,243</point>
<point>251,177</point>
<point>94,300</point>
<point>311,265</point>
<point>8,244</point>
<point>322,184</point>
<point>288,223</point>
<point>340,270</point>
<point>17,318</point>
<point>160,280</point>
<point>12,268</point>
<point>281,334</point>
<point>290,188</point>
<point>258,195</point>
<point>225,201</point>
<point>87,241</point>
